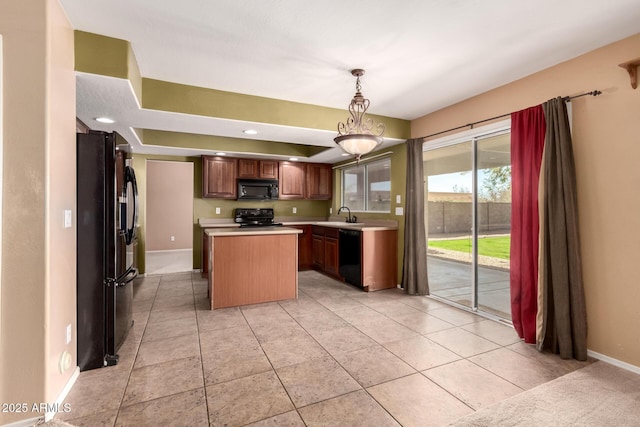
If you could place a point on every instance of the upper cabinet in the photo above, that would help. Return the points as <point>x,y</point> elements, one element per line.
<point>319,179</point>
<point>262,169</point>
<point>313,181</point>
<point>219,177</point>
<point>292,180</point>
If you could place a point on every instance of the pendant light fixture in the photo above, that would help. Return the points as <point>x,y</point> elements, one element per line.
<point>359,134</point>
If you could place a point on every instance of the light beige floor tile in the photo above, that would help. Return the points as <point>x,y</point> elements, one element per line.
<point>171,328</point>
<point>230,365</point>
<point>291,351</point>
<point>173,277</point>
<point>360,315</point>
<point>220,318</point>
<point>173,301</point>
<point>163,379</point>
<point>247,400</point>
<point>102,419</point>
<point>422,323</point>
<point>373,365</point>
<point>142,305</point>
<point>386,331</point>
<point>354,409</point>
<point>274,331</point>
<point>95,391</point>
<point>267,312</point>
<point>494,331</point>
<point>152,352</point>
<point>339,303</point>
<point>171,313</point>
<point>421,353</point>
<point>319,322</point>
<point>315,380</point>
<point>393,308</point>
<point>455,316</point>
<point>187,409</point>
<point>472,384</point>
<point>551,361</point>
<point>417,401</point>
<point>239,338</point>
<point>303,306</point>
<point>288,419</point>
<point>462,342</point>
<point>516,368</point>
<point>341,340</point>
<point>423,303</point>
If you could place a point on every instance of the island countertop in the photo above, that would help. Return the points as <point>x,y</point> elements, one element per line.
<point>250,231</point>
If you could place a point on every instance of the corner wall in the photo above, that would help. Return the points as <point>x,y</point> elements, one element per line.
<point>606,149</point>
<point>38,283</point>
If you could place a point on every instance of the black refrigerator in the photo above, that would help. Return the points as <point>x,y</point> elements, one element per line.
<point>107,211</point>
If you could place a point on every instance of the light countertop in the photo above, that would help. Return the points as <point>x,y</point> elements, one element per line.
<point>370,225</point>
<point>250,231</point>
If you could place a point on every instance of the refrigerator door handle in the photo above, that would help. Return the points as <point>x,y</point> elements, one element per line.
<point>128,277</point>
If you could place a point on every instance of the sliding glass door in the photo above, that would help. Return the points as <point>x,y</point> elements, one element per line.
<point>468,193</point>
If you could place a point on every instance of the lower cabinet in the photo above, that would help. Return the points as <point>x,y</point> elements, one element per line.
<point>325,250</point>
<point>304,247</point>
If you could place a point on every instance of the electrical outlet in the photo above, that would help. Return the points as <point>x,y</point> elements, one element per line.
<point>295,210</point>
<point>68,334</point>
<point>68,222</point>
<point>173,238</point>
<point>217,211</point>
<point>399,211</point>
<point>330,211</point>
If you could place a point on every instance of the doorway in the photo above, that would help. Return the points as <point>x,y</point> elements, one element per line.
<point>169,218</point>
<point>468,217</point>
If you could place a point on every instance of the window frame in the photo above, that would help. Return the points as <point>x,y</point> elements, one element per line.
<point>366,201</point>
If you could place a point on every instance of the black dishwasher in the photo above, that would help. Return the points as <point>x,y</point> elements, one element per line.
<point>350,262</point>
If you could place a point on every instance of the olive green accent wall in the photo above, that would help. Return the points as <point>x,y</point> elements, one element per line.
<point>166,96</point>
<point>205,208</point>
<point>398,187</point>
<point>106,56</point>
<point>241,145</point>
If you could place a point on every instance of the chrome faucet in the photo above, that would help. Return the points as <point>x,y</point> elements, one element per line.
<point>350,219</point>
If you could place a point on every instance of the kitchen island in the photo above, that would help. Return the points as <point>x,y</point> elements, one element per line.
<point>252,265</point>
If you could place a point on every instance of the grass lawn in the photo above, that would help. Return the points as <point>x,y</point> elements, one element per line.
<point>496,247</point>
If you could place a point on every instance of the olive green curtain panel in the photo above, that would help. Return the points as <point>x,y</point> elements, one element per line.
<point>414,267</point>
<point>563,314</point>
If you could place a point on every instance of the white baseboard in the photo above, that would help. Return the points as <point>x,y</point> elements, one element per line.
<point>615,362</point>
<point>169,250</point>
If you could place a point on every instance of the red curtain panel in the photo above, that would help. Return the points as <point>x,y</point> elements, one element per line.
<point>527,143</point>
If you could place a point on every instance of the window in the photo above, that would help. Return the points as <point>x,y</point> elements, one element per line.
<point>367,188</point>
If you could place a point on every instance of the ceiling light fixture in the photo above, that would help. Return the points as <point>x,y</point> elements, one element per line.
<point>105,120</point>
<point>293,159</point>
<point>220,153</point>
<point>250,132</point>
<point>359,134</point>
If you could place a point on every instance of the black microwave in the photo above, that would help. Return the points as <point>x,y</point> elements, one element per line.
<point>258,189</point>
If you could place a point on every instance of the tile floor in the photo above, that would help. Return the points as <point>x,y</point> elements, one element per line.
<point>334,356</point>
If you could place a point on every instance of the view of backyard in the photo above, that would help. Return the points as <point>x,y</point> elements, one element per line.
<point>496,247</point>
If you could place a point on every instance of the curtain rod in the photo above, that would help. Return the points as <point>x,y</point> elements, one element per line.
<point>564,98</point>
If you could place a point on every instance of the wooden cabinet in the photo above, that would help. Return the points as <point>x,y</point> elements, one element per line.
<point>304,247</point>
<point>262,169</point>
<point>325,255</point>
<point>319,181</point>
<point>331,252</point>
<point>292,180</point>
<point>219,177</point>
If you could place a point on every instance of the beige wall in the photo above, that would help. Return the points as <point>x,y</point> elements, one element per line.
<point>38,263</point>
<point>606,133</point>
<point>169,205</point>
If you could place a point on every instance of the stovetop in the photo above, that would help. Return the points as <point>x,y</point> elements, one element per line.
<point>255,217</point>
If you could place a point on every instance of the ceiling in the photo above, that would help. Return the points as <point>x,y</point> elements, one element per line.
<point>419,55</point>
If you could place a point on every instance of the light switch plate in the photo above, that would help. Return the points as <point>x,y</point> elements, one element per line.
<point>398,199</point>
<point>295,210</point>
<point>217,211</point>
<point>399,211</point>
<point>68,219</point>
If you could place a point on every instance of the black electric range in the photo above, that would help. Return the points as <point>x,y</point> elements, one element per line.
<point>255,217</point>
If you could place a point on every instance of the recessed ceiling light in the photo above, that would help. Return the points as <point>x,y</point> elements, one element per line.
<point>250,131</point>
<point>293,159</point>
<point>345,154</point>
<point>105,120</point>
<point>221,154</point>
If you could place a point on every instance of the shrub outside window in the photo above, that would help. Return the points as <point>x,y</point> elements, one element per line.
<point>367,187</point>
